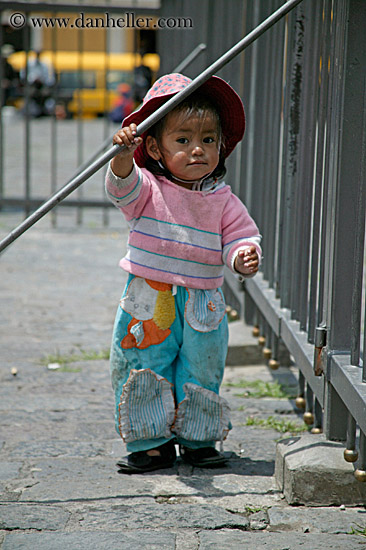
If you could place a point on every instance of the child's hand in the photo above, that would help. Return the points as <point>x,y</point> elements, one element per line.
<point>122,163</point>
<point>247,261</point>
<point>127,136</point>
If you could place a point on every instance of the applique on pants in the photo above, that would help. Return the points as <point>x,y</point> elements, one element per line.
<point>152,308</point>
<point>205,309</point>
<point>202,415</point>
<point>146,409</point>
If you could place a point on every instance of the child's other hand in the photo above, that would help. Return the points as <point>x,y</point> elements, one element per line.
<point>247,261</point>
<point>122,163</point>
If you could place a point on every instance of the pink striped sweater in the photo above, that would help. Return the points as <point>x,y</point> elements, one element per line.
<point>177,235</point>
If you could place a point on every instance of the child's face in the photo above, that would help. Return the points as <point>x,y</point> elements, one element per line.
<point>189,147</point>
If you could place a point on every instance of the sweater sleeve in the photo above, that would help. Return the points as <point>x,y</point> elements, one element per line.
<point>239,231</point>
<point>128,194</point>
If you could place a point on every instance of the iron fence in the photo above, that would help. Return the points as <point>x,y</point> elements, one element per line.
<point>302,174</point>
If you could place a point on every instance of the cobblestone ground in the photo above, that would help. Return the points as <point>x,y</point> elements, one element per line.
<point>59,486</point>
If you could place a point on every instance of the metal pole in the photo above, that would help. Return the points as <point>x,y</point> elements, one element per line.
<point>190,57</point>
<point>150,121</point>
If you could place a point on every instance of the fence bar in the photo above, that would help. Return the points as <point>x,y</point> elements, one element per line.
<point>364,349</point>
<point>327,171</point>
<point>266,124</point>
<point>359,250</point>
<point>273,362</point>
<point>106,125</point>
<point>150,121</point>
<point>306,162</point>
<point>275,93</point>
<point>350,454</point>
<point>190,57</point>
<point>309,412</point>
<point>300,399</point>
<point>27,125</point>
<point>288,169</point>
<point>317,260</point>
<point>251,83</point>
<point>260,124</point>
<point>74,203</point>
<point>347,195</point>
<point>360,473</point>
<point>54,134</point>
<point>294,175</point>
<point>318,418</point>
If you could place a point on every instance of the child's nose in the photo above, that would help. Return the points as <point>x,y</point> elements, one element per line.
<point>197,150</point>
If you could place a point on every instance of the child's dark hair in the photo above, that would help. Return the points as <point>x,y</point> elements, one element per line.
<point>198,105</point>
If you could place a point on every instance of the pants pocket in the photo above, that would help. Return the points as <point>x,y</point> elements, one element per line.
<point>202,415</point>
<point>205,309</point>
<point>146,409</point>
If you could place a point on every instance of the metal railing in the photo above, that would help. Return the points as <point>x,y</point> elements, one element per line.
<point>302,173</point>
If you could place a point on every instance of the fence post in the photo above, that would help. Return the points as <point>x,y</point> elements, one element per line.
<point>287,267</point>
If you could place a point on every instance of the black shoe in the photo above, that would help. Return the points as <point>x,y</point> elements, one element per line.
<point>206,457</point>
<point>140,462</point>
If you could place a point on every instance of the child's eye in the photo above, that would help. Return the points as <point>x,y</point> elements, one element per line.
<point>209,140</point>
<point>182,140</point>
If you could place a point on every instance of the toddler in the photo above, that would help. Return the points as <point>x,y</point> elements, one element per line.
<point>171,335</point>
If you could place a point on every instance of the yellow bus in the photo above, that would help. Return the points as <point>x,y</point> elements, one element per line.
<point>87,81</point>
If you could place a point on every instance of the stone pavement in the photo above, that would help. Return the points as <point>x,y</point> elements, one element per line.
<point>58,479</point>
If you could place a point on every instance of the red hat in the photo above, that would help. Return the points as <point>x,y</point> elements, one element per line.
<point>225,99</point>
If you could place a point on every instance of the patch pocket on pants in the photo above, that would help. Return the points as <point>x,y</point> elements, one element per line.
<point>205,309</point>
<point>202,415</point>
<point>146,409</point>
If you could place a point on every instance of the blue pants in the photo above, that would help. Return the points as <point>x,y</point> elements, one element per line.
<point>167,363</point>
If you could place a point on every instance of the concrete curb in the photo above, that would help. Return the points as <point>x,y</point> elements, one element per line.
<point>311,470</point>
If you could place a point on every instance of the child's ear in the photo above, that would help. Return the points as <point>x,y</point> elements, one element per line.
<point>152,148</point>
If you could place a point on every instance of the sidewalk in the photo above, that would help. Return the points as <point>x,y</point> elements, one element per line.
<point>58,479</point>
